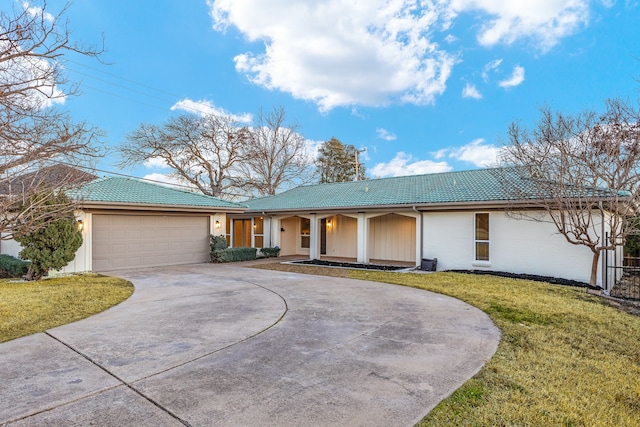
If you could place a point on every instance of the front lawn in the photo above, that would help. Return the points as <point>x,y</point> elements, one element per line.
<point>566,358</point>
<point>30,307</point>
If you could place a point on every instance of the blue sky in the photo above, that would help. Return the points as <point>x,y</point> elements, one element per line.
<point>424,86</point>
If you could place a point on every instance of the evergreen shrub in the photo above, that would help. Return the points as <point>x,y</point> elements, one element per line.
<point>239,254</point>
<point>270,252</point>
<point>218,246</point>
<point>12,267</point>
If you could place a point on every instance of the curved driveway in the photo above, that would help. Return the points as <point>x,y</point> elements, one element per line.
<point>224,345</point>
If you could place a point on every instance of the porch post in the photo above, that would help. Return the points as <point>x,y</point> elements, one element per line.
<point>274,228</point>
<point>419,239</point>
<point>266,230</point>
<point>363,238</point>
<point>314,237</point>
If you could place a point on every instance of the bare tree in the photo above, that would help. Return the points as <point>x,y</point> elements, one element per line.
<point>34,131</point>
<point>277,156</point>
<point>31,200</point>
<point>582,171</point>
<point>202,151</point>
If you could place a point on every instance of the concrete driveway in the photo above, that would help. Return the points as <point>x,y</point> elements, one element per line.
<point>224,345</point>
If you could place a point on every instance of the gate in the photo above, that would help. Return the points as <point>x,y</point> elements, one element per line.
<point>624,280</point>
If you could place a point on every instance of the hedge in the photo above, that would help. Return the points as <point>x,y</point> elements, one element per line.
<point>12,267</point>
<point>238,254</point>
<point>270,252</point>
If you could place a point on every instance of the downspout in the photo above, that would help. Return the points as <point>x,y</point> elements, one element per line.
<point>421,231</point>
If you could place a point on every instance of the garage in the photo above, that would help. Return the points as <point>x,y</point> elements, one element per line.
<point>137,241</point>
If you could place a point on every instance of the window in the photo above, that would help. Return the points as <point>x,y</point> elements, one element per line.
<point>227,231</point>
<point>482,237</point>
<point>258,232</point>
<point>242,233</point>
<point>305,233</point>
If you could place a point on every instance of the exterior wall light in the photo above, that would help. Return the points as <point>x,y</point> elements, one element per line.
<point>217,225</point>
<point>80,225</point>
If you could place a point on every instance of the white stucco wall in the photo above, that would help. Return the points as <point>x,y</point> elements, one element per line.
<point>392,237</point>
<point>10,247</point>
<point>342,236</point>
<point>290,236</point>
<point>218,224</point>
<point>82,260</point>
<point>516,246</point>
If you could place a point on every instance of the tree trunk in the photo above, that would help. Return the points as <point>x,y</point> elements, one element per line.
<point>33,274</point>
<point>593,281</point>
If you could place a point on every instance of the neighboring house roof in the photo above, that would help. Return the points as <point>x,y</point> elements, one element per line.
<point>134,193</point>
<point>53,176</point>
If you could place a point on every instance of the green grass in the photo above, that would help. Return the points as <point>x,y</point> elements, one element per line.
<point>566,358</point>
<point>30,307</point>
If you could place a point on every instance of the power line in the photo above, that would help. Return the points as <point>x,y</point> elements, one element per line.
<point>117,85</point>
<point>171,99</point>
<point>124,97</point>
<point>123,78</point>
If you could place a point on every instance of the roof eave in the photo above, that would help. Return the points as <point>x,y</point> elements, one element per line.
<point>157,207</point>
<point>484,204</point>
<point>403,206</point>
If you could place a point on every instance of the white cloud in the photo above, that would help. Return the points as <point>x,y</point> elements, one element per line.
<point>204,107</point>
<point>517,77</point>
<point>311,149</point>
<point>341,52</point>
<point>492,66</point>
<point>450,38</point>
<point>164,179</point>
<point>364,154</point>
<point>404,164</point>
<point>440,154</point>
<point>378,52</point>
<point>37,11</point>
<point>543,21</point>
<point>385,134</point>
<point>155,162</point>
<point>356,113</point>
<point>471,91</point>
<point>27,79</point>
<point>476,152</point>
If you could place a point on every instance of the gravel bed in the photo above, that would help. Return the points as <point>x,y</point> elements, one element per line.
<point>354,265</point>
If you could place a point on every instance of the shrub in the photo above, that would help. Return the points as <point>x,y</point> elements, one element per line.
<point>12,267</point>
<point>52,239</point>
<point>218,245</point>
<point>270,252</point>
<point>238,254</point>
<point>52,246</point>
<point>220,252</point>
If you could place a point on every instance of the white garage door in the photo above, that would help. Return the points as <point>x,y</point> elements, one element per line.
<point>131,241</point>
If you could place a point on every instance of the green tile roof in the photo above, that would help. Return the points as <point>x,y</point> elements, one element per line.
<point>481,185</point>
<point>117,190</point>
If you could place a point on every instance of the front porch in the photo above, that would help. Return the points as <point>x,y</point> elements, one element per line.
<point>381,238</point>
